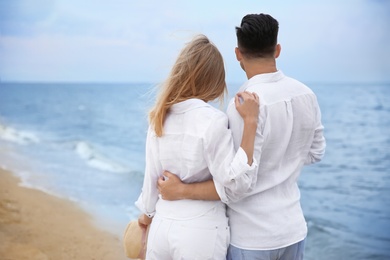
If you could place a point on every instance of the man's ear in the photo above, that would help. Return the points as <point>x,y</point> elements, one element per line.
<point>238,54</point>
<point>278,49</point>
<point>239,58</point>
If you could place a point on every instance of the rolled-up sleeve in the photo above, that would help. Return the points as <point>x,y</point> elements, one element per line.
<point>229,169</point>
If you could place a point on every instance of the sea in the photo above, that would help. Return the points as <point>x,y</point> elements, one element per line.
<point>85,142</point>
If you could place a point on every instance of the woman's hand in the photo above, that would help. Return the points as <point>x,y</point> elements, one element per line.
<point>144,221</point>
<point>247,105</point>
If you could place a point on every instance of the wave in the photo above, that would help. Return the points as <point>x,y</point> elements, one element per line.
<point>20,137</point>
<point>97,160</point>
<point>83,149</point>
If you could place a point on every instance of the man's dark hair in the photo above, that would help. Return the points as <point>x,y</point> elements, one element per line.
<point>257,36</point>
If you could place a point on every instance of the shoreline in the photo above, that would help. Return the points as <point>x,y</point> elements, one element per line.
<point>40,226</point>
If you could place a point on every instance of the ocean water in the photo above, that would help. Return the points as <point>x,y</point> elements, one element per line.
<point>85,142</point>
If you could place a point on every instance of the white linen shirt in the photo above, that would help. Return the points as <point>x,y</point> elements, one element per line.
<point>196,145</point>
<point>289,135</point>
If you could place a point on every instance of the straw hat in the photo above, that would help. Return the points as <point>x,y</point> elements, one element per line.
<point>134,240</point>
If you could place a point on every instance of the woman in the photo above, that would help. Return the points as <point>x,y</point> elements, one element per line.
<point>191,138</point>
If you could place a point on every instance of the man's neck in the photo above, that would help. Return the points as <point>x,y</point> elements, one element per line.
<point>260,66</point>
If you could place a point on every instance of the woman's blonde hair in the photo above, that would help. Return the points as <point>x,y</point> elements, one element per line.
<point>197,73</point>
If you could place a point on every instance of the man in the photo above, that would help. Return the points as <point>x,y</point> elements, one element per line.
<point>267,222</point>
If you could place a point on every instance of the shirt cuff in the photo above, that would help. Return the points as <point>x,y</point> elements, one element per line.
<point>221,192</point>
<point>140,205</point>
<point>240,163</point>
<point>239,167</point>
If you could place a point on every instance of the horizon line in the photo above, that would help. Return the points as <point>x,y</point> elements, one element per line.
<point>308,82</point>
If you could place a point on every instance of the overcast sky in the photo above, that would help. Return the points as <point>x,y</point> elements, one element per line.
<point>138,41</point>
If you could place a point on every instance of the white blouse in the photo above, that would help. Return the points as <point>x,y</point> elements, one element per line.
<point>197,146</point>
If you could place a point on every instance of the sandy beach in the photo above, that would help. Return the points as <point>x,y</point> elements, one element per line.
<point>37,226</point>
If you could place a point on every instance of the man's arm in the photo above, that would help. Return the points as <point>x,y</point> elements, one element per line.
<point>172,188</point>
<point>318,145</point>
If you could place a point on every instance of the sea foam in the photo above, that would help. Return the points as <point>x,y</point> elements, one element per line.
<point>97,160</point>
<point>20,137</point>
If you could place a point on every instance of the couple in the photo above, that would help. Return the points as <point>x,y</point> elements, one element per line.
<point>251,164</point>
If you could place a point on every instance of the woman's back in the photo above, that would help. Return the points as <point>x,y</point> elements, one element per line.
<point>188,130</point>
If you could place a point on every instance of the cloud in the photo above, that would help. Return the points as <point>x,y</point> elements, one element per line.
<point>125,40</point>
<point>337,42</point>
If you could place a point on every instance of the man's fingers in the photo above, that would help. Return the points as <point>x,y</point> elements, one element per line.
<point>167,174</point>
<point>160,181</point>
